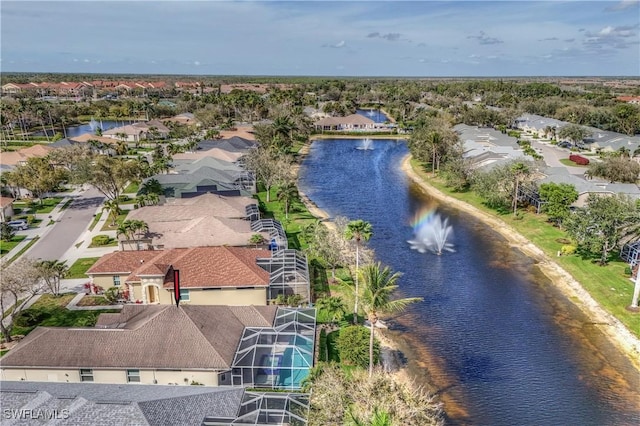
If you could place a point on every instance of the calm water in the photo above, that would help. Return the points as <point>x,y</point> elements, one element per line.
<point>86,128</point>
<point>499,344</point>
<point>374,114</point>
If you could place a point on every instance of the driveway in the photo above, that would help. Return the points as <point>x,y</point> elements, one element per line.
<point>552,155</point>
<point>74,220</point>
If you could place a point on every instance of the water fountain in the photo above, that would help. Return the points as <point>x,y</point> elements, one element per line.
<point>366,145</point>
<point>93,124</point>
<point>431,233</point>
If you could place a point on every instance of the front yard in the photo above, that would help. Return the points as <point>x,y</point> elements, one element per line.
<point>80,267</point>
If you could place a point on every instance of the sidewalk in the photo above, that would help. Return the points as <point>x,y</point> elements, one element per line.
<point>44,228</point>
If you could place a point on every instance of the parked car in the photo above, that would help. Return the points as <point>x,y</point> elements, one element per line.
<point>564,144</point>
<point>19,225</point>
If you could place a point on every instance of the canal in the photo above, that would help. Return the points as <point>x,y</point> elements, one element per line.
<point>493,337</point>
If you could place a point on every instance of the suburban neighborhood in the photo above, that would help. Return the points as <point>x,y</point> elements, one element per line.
<point>191,265</point>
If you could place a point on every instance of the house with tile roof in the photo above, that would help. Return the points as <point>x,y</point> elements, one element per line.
<point>205,220</point>
<point>159,344</point>
<point>353,122</point>
<point>11,159</point>
<point>6,208</point>
<point>208,275</point>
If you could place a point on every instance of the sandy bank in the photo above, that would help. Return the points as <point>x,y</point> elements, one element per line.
<point>615,331</point>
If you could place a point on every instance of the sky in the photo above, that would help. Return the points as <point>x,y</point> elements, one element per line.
<point>323,38</point>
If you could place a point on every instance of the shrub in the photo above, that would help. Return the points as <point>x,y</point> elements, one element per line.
<point>568,250</point>
<point>578,159</point>
<point>100,240</point>
<point>322,346</point>
<point>353,346</point>
<point>627,271</point>
<point>111,295</point>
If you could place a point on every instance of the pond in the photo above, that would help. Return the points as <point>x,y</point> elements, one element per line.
<point>500,345</point>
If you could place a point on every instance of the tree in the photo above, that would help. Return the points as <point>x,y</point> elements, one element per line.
<point>353,346</point>
<point>358,230</point>
<point>326,243</point>
<point>287,193</point>
<point>6,232</point>
<point>520,171</point>
<point>19,283</point>
<point>52,272</point>
<point>497,186</point>
<point>270,167</point>
<point>573,133</point>
<point>131,229</point>
<point>378,285</point>
<point>113,209</point>
<point>109,175</point>
<point>334,307</point>
<point>257,239</point>
<point>38,176</point>
<point>615,169</point>
<point>602,223</point>
<point>557,200</point>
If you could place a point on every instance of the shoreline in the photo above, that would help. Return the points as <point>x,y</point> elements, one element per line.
<point>610,326</point>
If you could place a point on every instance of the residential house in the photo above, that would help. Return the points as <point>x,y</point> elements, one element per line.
<point>205,220</point>
<point>6,208</point>
<point>208,275</point>
<point>629,99</point>
<point>10,159</point>
<point>233,144</point>
<point>101,404</point>
<point>486,147</point>
<point>353,122</point>
<point>160,344</point>
<point>218,153</point>
<point>233,346</point>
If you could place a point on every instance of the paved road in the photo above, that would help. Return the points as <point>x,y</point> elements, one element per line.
<point>552,155</point>
<point>70,226</point>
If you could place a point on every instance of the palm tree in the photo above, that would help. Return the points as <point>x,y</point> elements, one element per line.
<point>358,230</point>
<point>52,272</point>
<point>334,306</point>
<point>287,193</point>
<point>520,171</point>
<point>114,210</point>
<point>124,229</point>
<point>379,283</point>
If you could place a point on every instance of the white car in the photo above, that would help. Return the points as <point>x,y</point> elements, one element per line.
<point>18,225</point>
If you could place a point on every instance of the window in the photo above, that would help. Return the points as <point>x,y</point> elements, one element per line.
<point>116,280</point>
<point>184,295</point>
<point>86,375</point>
<point>133,376</point>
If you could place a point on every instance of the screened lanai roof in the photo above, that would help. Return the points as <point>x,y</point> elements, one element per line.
<point>277,357</point>
<point>275,229</point>
<point>288,273</point>
<point>267,408</point>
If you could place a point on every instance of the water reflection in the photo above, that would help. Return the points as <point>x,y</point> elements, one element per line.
<point>500,345</point>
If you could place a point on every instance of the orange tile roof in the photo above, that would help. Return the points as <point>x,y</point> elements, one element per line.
<point>199,266</point>
<point>5,201</point>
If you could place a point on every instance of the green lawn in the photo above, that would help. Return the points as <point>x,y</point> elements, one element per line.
<point>48,204</point>
<point>51,311</point>
<point>25,248</point>
<point>298,217</point>
<point>7,246</point>
<point>95,221</point>
<point>112,243</point>
<point>80,266</point>
<point>607,284</point>
<point>132,188</point>
<point>570,163</point>
<point>107,225</point>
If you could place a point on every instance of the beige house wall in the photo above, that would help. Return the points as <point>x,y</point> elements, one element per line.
<point>225,296</point>
<point>147,377</point>
<point>218,296</point>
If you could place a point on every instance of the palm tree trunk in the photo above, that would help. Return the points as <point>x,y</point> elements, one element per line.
<point>515,199</point>
<point>371,339</point>
<point>636,290</point>
<point>355,308</point>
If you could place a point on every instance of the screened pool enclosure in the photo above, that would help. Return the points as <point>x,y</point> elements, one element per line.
<point>265,408</point>
<point>277,357</point>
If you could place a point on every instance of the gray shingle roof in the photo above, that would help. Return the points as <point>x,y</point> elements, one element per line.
<point>110,404</point>
<point>208,334</point>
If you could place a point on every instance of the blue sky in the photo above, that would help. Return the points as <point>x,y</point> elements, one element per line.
<point>344,38</point>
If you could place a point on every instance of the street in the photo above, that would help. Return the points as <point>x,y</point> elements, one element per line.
<point>73,221</point>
